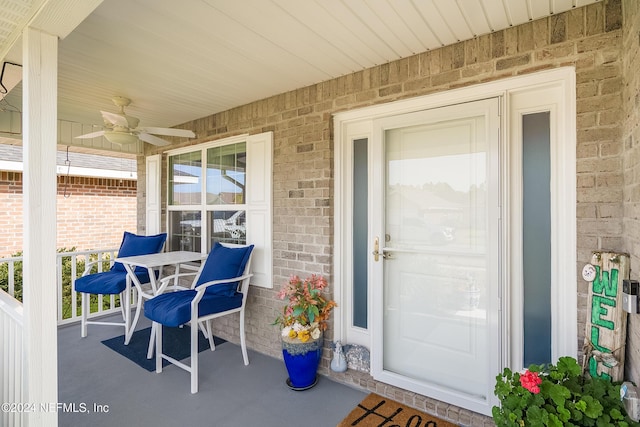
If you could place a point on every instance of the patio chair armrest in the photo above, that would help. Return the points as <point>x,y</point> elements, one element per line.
<point>201,289</point>
<point>164,282</point>
<point>89,266</point>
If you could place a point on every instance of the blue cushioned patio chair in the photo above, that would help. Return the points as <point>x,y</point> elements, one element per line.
<point>220,288</point>
<point>116,281</point>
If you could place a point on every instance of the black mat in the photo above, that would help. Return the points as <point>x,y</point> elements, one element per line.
<point>176,342</point>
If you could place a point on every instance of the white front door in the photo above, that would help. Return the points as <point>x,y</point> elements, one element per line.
<point>446,194</point>
<point>434,190</point>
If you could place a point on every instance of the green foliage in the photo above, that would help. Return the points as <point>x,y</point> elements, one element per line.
<point>67,271</point>
<point>565,398</point>
<point>17,277</point>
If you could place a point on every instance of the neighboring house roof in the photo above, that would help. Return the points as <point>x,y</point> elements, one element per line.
<point>79,164</point>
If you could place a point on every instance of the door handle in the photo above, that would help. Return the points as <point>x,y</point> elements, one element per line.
<point>376,249</point>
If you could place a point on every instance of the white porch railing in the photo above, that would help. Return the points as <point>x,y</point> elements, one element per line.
<point>13,388</point>
<point>70,265</point>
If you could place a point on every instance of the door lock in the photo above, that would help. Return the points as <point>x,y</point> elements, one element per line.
<point>376,249</point>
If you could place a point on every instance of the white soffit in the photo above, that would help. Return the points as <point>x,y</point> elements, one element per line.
<point>181,60</point>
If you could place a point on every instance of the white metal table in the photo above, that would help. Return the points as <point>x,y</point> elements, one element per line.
<point>153,262</point>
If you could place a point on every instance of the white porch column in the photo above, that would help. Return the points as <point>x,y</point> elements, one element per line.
<point>39,106</point>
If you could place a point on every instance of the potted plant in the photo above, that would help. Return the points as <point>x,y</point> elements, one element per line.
<point>303,321</point>
<point>558,395</point>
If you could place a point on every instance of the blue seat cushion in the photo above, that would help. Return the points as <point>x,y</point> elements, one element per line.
<point>224,263</point>
<point>174,308</point>
<point>107,282</point>
<point>132,245</point>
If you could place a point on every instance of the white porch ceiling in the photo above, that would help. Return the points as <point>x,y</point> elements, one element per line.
<point>182,60</point>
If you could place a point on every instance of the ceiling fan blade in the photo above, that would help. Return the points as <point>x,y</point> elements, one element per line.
<point>153,139</point>
<point>169,132</point>
<point>91,135</point>
<point>115,119</point>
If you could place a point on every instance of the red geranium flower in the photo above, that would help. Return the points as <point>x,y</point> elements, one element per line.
<point>531,381</point>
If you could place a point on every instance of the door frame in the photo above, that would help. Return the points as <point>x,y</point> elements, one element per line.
<point>354,124</point>
<point>542,98</point>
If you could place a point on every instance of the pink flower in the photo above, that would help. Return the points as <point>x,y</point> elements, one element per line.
<point>531,381</point>
<point>306,303</point>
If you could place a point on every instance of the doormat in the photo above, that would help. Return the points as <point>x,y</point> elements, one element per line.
<point>375,411</point>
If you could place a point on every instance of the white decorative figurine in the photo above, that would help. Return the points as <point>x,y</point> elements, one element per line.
<point>339,361</point>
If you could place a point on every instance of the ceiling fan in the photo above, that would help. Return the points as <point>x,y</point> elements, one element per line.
<point>123,129</point>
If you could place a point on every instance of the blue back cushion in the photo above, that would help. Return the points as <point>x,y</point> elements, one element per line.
<point>132,245</point>
<point>224,263</point>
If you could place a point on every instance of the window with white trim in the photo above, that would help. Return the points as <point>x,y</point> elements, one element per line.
<point>220,191</point>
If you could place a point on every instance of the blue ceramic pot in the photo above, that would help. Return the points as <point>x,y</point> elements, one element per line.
<point>302,360</point>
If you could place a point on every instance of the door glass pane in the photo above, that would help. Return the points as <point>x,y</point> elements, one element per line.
<point>436,268</point>
<point>360,233</point>
<point>536,233</point>
<point>226,169</point>
<point>185,179</point>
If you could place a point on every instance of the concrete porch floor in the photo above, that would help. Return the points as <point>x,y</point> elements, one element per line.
<point>231,394</point>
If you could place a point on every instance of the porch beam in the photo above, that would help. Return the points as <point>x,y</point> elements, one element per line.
<point>39,106</point>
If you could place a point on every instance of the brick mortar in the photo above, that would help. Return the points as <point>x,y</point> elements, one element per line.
<point>631,166</point>
<point>85,219</point>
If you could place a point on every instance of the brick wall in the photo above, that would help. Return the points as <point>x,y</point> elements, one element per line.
<point>93,216</point>
<point>588,38</point>
<point>631,166</point>
<point>10,213</point>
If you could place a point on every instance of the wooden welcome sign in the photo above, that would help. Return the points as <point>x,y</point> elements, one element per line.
<point>606,326</point>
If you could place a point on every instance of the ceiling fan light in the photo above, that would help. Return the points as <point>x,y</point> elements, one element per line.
<point>121,138</point>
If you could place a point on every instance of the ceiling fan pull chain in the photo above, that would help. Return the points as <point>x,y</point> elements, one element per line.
<point>66,181</point>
